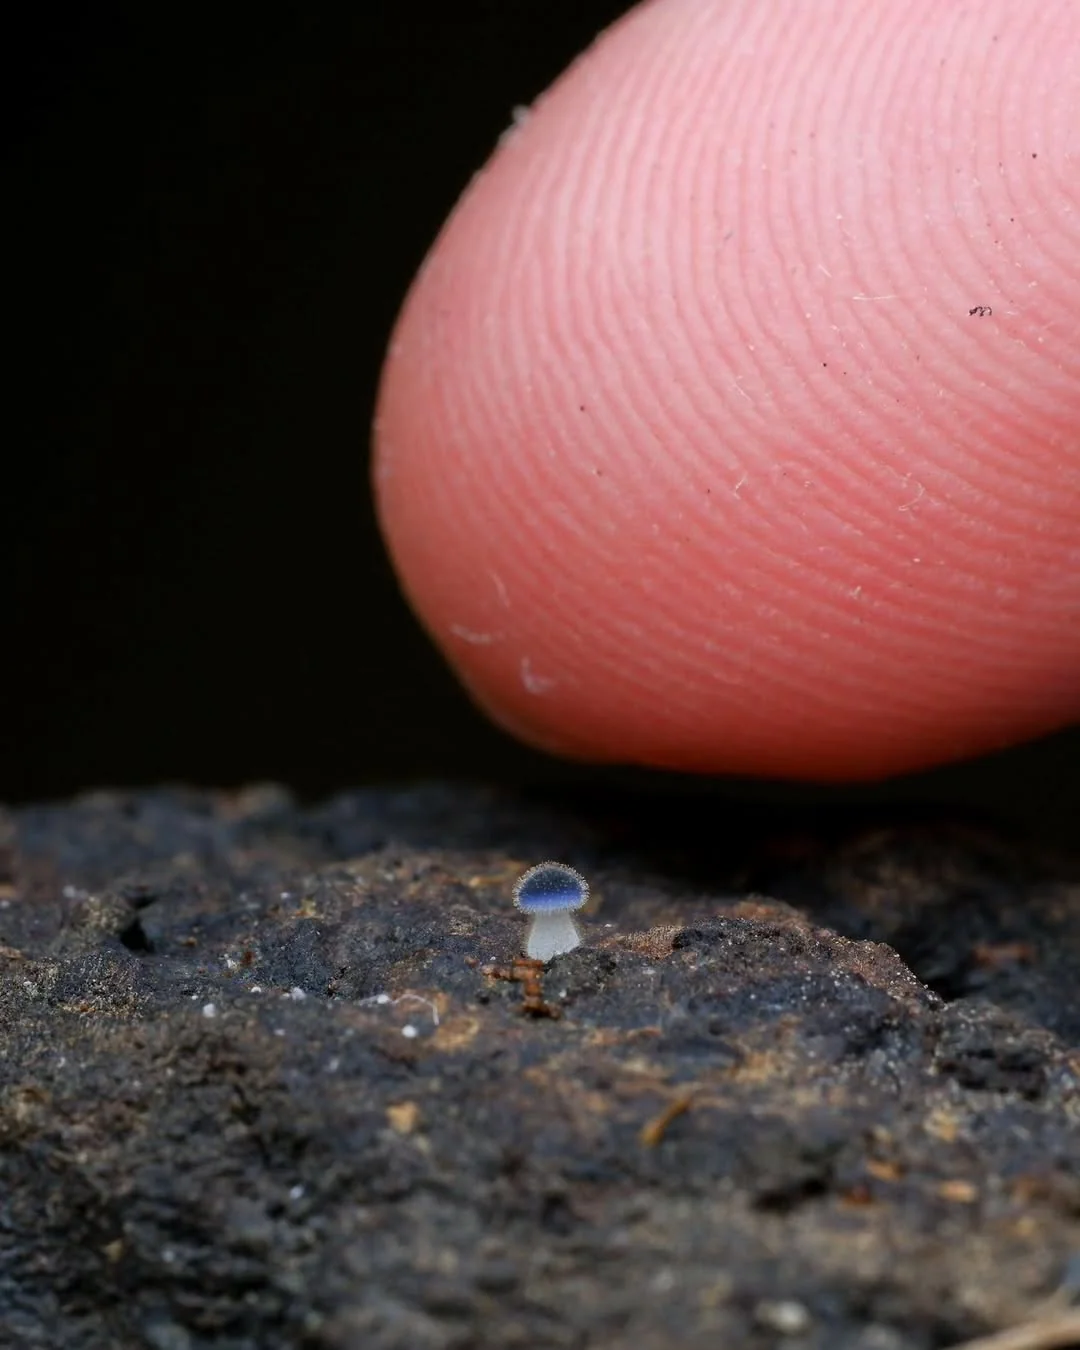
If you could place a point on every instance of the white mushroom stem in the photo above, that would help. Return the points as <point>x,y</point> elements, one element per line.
<point>552,932</point>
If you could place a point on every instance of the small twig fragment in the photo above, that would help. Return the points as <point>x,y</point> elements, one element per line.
<point>528,973</point>
<point>652,1133</point>
<point>1057,1332</point>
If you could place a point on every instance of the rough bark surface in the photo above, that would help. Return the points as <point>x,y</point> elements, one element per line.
<point>271,1077</point>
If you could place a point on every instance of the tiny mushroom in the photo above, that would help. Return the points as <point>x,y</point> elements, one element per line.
<point>549,893</point>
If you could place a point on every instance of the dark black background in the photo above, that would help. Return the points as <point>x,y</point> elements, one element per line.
<point>211,227</point>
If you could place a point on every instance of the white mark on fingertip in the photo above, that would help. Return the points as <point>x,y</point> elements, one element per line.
<point>519,115</point>
<point>470,635</point>
<point>501,591</point>
<point>534,683</point>
<point>906,506</point>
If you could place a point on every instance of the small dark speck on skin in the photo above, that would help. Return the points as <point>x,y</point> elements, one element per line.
<point>1034,155</point>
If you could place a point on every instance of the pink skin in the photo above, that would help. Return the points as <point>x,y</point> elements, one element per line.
<point>690,451</point>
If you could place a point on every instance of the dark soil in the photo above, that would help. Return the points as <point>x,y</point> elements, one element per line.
<point>271,1078</point>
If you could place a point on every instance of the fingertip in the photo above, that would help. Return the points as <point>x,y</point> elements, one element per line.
<point>694,447</point>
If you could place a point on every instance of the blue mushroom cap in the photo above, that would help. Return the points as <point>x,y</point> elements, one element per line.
<point>549,887</point>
